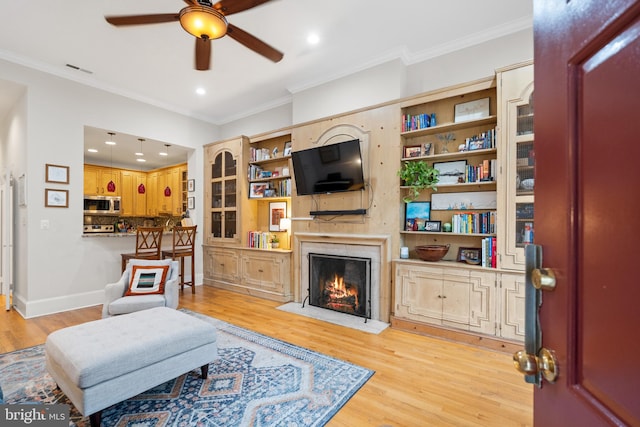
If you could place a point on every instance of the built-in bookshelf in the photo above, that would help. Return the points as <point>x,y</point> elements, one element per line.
<point>457,135</point>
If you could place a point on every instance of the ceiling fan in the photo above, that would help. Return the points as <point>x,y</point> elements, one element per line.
<point>206,21</point>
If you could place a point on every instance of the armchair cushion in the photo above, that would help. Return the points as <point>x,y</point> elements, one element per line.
<point>147,279</point>
<point>116,302</point>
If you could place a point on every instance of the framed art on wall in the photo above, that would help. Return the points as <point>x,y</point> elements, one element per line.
<point>57,174</point>
<point>277,210</point>
<point>191,185</point>
<point>56,198</point>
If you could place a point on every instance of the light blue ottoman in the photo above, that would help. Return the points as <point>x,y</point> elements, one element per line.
<point>103,362</point>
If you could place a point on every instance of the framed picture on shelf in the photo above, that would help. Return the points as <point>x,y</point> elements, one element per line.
<point>257,189</point>
<point>427,149</point>
<point>277,211</point>
<point>56,173</point>
<point>469,255</point>
<point>466,200</point>
<point>451,172</point>
<point>416,215</point>
<point>191,185</point>
<point>432,226</point>
<point>56,198</point>
<point>472,110</point>
<point>287,148</point>
<point>412,151</point>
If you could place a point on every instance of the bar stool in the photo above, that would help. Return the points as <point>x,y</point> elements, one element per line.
<point>184,239</point>
<point>148,245</point>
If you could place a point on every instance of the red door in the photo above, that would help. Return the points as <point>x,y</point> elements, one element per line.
<point>587,207</point>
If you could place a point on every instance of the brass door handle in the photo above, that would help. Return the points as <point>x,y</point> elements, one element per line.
<point>545,363</point>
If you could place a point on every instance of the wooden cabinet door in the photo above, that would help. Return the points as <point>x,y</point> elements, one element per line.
<point>512,289</point>
<point>152,193</point>
<point>263,271</point>
<point>91,180</point>
<point>482,301</point>
<point>455,298</point>
<point>419,293</point>
<point>127,207</point>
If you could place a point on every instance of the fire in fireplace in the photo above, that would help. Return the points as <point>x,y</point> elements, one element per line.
<point>340,283</point>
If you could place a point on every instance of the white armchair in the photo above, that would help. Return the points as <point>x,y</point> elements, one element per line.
<point>117,303</point>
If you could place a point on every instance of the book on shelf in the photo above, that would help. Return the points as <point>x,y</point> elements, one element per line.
<point>474,222</point>
<point>258,239</point>
<point>489,258</point>
<point>481,141</point>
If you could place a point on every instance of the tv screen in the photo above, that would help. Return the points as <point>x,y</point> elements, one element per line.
<point>328,169</point>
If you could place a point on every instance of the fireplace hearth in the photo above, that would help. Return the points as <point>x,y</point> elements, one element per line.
<point>340,283</point>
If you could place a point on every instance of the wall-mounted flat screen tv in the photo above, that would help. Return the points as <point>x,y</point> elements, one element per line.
<point>328,169</point>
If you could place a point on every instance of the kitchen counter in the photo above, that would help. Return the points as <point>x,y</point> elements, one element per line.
<point>118,234</point>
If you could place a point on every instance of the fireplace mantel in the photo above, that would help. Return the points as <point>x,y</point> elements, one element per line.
<point>382,244</point>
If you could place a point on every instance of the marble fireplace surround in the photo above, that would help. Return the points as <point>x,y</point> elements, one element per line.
<point>376,247</point>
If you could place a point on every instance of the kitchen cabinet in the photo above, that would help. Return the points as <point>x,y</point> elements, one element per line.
<point>134,203</point>
<point>97,178</point>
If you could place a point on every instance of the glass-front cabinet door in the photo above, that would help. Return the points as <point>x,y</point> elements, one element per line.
<point>518,154</point>
<point>221,207</point>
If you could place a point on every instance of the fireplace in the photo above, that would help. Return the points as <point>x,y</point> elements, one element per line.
<point>340,283</point>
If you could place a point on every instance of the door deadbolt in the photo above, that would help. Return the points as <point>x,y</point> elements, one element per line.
<point>543,278</point>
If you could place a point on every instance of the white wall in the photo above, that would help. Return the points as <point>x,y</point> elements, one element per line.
<point>65,270</point>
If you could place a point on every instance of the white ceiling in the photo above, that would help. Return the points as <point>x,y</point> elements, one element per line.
<point>154,63</point>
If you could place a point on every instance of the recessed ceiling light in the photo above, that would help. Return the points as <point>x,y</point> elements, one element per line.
<point>313,38</point>
<point>201,91</point>
<point>140,160</point>
<point>92,150</point>
<point>139,154</point>
<point>163,153</point>
<point>110,142</point>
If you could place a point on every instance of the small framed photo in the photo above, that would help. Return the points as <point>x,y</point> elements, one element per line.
<point>427,149</point>
<point>433,226</point>
<point>270,192</point>
<point>412,151</point>
<point>57,174</point>
<point>191,202</point>
<point>277,210</point>
<point>56,198</point>
<point>416,215</point>
<point>191,185</point>
<point>469,255</point>
<point>257,189</point>
<point>287,148</point>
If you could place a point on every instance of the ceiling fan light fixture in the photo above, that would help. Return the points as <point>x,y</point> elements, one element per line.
<point>203,22</point>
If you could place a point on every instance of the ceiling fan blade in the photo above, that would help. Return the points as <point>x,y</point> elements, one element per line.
<point>229,7</point>
<point>254,43</point>
<point>142,19</point>
<point>203,54</point>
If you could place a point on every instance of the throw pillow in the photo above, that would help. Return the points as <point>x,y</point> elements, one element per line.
<point>147,279</point>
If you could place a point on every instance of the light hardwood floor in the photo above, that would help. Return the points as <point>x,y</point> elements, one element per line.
<point>418,380</point>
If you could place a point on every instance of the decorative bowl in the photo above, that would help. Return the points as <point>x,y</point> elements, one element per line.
<point>431,252</point>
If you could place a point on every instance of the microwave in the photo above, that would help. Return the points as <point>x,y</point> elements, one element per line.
<point>102,205</point>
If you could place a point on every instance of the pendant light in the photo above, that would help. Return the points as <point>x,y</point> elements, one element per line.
<point>111,186</point>
<point>167,190</point>
<point>141,189</point>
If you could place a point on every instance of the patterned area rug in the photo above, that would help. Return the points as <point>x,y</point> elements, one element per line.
<point>256,381</point>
